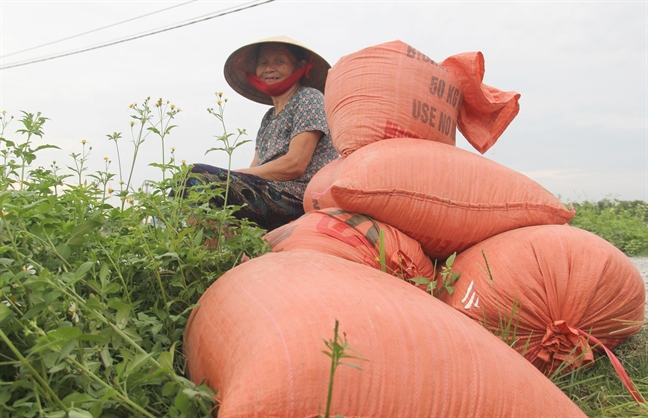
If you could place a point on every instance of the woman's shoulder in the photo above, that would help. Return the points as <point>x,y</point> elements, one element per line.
<point>267,116</point>
<point>307,97</point>
<point>309,92</point>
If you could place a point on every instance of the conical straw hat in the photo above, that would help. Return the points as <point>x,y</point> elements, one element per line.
<point>243,61</point>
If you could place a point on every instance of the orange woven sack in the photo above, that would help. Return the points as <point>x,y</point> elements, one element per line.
<point>257,339</point>
<point>559,290</point>
<point>354,237</point>
<point>319,182</point>
<point>444,197</point>
<point>392,90</point>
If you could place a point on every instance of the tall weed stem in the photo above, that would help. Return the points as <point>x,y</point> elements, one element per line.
<point>39,379</point>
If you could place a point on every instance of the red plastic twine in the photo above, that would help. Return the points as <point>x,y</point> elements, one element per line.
<point>571,345</point>
<point>618,367</point>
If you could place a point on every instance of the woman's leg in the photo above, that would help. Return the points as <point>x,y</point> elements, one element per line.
<point>262,202</point>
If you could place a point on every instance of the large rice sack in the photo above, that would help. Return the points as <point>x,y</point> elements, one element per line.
<point>257,339</point>
<point>320,181</point>
<point>392,90</point>
<point>444,197</point>
<point>354,237</point>
<point>557,290</point>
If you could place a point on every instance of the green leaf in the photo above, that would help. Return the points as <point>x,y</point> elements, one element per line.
<point>5,312</point>
<point>123,312</point>
<point>5,395</point>
<point>55,340</point>
<point>170,254</point>
<point>431,287</point>
<point>450,260</point>
<point>76,398</point>
<point>104,272</point>
<point>420,280</point>
<point>64,251</point>
<point>67,348</point>
<point>57,368</point>
<point>6,261</point>
<point>169,389</point>
<point>106,358</point>
<point>79,413</point>
<point>84,268</point>
<point>46,146</point>
<point>65,333</point>
<point>183,403</point>
<point>9,143</point>
<point>242,142</point>
<point>139,361</point>
<point>80,232</point>
<point>215,149</point>
<point>166,359</point>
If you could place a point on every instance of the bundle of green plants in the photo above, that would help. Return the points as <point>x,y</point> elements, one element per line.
<point>96,285</point>
<point>623,223</point>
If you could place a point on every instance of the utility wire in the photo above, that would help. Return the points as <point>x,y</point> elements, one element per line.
<point>67,38</point>
<point>199,19</point>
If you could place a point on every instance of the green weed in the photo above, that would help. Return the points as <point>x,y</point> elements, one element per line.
<point>446,275</point>
<point>94,298</point>
<point>337,349</point>
<point>623,223</point>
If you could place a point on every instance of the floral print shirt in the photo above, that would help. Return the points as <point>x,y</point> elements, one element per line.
<point>303,112</point>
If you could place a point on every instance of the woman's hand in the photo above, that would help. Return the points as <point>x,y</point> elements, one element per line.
<point>293,164</point>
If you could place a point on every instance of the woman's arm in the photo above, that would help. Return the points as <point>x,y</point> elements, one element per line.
<point>255,160</point>
<point>291,165</point>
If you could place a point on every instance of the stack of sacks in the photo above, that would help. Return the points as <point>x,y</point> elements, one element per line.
<point>393,114</point>
<point>388,107</point>
<point>256,335</point>
<point>256,338</point>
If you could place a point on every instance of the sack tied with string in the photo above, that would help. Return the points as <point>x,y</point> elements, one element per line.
<point>556,290</point>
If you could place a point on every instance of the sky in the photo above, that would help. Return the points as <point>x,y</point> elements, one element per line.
<point>581,69</point>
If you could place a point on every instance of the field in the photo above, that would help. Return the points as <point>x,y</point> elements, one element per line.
<point>623,223</point>
<point>96,284</point>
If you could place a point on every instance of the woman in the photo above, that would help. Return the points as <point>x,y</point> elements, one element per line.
<point>293,141</point>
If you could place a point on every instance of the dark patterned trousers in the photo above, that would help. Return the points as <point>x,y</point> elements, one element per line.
<point>261,201</point>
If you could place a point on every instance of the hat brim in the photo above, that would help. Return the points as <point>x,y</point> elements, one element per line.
<point>243,61</point>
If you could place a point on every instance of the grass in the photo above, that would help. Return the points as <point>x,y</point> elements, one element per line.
<point>595,387</point>
<point>623,223</point>
<point>598,391</point>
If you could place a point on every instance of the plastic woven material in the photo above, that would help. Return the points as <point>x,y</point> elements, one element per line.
<point>257,338</point>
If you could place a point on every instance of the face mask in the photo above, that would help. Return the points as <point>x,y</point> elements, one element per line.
<point>277,89</point>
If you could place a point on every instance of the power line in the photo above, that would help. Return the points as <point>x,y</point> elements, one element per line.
<point>199,19</point>
<point>67,38</point>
